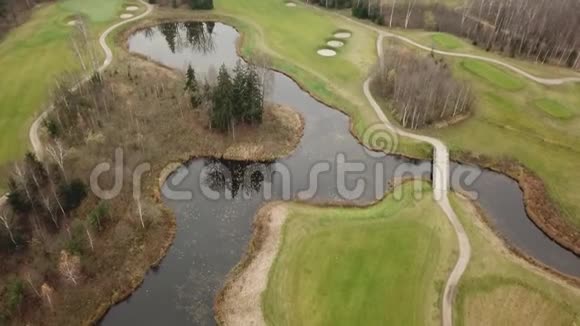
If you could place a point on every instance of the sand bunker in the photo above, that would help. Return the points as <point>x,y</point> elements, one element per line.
<point>326,52</point>
<point>343,35</point>
<point>290,4</point>
<point>132,8</point>
<point>335,43</point>
<point>72,22</point>
<point>126,16</point>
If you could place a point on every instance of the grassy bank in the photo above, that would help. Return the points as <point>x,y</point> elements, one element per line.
<point>384,264</point>
<point>500,288</point>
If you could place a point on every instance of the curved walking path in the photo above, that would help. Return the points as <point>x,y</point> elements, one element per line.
<point>440,191</point>
<point>382,33</point>
<point>33,133</point>
<point>441,157</point>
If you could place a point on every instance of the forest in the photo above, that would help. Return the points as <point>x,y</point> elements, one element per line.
<point>420,89</point>
<point>540,30</point>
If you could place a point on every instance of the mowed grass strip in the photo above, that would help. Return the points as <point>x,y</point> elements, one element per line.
<point>446,41</point>
<point>493,75</point>
<point>553,108</point>
<point>349,266</point>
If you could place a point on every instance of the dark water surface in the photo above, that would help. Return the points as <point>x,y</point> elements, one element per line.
<point>213,233</point>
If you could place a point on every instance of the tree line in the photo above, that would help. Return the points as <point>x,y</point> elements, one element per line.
<point>541,30</point>
<point>421,89</point>
<point>42,194</point>
<point>14,12</point>
<point>236,97</point>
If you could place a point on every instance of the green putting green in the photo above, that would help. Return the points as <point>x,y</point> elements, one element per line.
<point>553,108</point>
<point>493,75</point>
<point>446,41</point>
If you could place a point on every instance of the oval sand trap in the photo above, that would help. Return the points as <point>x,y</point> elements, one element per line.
<point>126,16</point>
<point>132,8</point>
<point>326,52</point>
<point>342,35</point>
<point>290,4</point>
<point>335,43</point>
<point>72,23</point>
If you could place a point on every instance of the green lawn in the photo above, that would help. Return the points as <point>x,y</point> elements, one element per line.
<point>446,41</point>
<point>491,74</point>
<point>382,265</point>
<point>499,288</point>
<point>96,10</point>
<point>553,108</point>
<point>32,56</point>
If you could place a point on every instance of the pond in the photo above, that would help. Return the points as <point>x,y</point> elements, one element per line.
<point>214,226</point>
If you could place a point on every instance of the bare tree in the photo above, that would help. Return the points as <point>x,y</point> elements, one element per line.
<point>69,267</point>
<point>7,220</point>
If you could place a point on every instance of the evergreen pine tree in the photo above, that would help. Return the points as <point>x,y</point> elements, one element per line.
<point>222,111</point>
<point>239,99</point>
<point>192,87</point>
<point>254,96</point>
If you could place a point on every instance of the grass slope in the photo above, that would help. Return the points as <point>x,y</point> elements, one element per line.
<point>499,288</point>
<point>31,56</point>
<point>446,41</point>
<point>96,10</point>
<point>381,265</point>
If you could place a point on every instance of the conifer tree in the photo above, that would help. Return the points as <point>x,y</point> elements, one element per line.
<point>239,99</point>
<point>192,87</point>
<point>222,111</point>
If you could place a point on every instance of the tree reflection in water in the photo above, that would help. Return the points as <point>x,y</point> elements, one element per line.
<point>195,36</point>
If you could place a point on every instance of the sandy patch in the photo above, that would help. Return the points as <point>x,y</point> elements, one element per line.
<point>126,16</point>
<point>335,43</point>
<point>326,52</point>
<point>342,35</point>
<point>290,4</point>
<point>72,23</point>
<point>132,8</point>
<point>239,303</point>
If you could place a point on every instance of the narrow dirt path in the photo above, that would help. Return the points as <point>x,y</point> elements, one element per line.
<point>440,191</point>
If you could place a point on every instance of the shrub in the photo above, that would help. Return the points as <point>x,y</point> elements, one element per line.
<point>72,194</point>
<point>98,217</point>
<point>14,295</point>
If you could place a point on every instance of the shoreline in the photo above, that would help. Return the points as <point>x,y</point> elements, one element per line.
<point>539,207</point>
